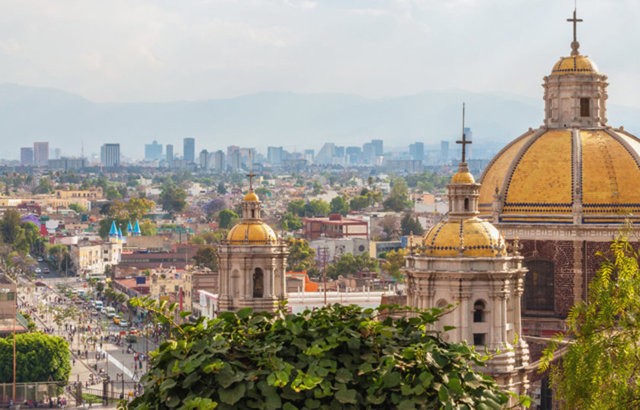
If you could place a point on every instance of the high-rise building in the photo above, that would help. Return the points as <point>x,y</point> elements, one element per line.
<point>275,155</point>
<point>41,154</point>
<point>377,148</point>
<point>353,155</point>
<point>233,157</point>
<point>110,155</point>
<point>444,151</point>
<point>153,151</point>
<point>203,159</point>
<point>26,156</point>
<point>189,150</point>
<point>169,155</point>
<point>416,151</point>
<point>218,161</point>
<point>309,154</point>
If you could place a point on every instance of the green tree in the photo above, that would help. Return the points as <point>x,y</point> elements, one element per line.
<point>600,367</point>
<point>226,218</point>
<point>148,228</point>
<point>316,207</point>
<point>398,199</point>
<point>339,205</point>
<point>359,202</point>
<point>78,208</point>
<point>297,207</point>
<point>348,264</point>
<point>10,226</point>
<point>59,254</point>
<point>40,358</point>
<point>172,197</point>
<point>301,256</point>
<point>207,256</point>
<point>410,224</point>
<point>291,222</point>
<point>336,357</point>
<point>393,263</point>
<point>221,188</point>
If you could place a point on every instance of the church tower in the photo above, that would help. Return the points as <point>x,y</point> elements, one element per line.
<point>464,262</point>
<point>252,262</point>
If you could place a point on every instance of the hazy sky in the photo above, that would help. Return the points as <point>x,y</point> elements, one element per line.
<point>138,50</point>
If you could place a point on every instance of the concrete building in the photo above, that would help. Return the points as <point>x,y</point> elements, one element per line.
<point>41,154</point>
<point>110,155</point>
<point>153,151</point>
<point>26,156</point>
<point>169,155</point>
<point>189,150</point>
<point>335,226</point>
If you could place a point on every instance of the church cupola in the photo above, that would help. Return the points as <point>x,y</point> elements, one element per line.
<point>575,93</point>
<point>463,191</point>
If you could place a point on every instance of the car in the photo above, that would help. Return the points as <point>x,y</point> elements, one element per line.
<point>38,270</point>
<point>116,319</point>
<point>123,323</point>
<point>38,283</point>
<point>45,270</point>
<point>40,259</point>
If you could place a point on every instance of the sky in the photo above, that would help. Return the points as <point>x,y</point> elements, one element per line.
<point>134,51</point>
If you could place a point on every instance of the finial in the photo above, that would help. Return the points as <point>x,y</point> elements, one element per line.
<point>575,45</point>
<point>464,141</point>
<point>516,246</point>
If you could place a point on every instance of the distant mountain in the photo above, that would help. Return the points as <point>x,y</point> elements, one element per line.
<point>299,121</point>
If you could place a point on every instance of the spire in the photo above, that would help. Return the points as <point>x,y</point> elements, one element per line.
<point>574,44</point>
<point>114,230</point>
<point>136,229</point>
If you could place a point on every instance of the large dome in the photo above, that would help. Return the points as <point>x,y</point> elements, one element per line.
<point>540,177</point>
<point>251,233</point>
<point>471,237</point>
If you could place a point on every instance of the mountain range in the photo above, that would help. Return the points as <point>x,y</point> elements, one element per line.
<point>295,121</point>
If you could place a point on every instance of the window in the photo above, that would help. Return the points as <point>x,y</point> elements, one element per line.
<point>584,107</point>
<point>478,311</point>
<point>258,283</point>
<point>466,204</point>
<point>478,339</point>
<point>539,286</point>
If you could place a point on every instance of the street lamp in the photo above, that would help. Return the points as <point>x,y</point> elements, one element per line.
<point>9,292</point>
<point>120,376</point>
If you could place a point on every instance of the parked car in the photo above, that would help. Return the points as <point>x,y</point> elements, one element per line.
<point>124,323</point>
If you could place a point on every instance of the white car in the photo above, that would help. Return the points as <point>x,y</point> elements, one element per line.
<point>124,323</point>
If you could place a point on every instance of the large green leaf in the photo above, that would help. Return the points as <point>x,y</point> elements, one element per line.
<point>232,394</point>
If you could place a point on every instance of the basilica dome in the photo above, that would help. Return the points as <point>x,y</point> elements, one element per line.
<point>472,237</point>
<point>564,176</point>
<point>251,233</point>
<point>576,64</point>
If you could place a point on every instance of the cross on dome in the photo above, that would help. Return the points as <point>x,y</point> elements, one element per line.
<point>575,45</point>
<point>464,140</point>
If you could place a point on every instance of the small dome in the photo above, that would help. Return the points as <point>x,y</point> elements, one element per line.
<point>471,237</point>
<point>462,177</point>
<point>251,197</point>
<point>578,64</point>
<point>251,233</point>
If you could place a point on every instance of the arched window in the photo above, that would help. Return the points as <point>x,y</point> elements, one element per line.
<point>258,283</point>
<point>539,286</point>
<point>478,311</point>
<point>466,204</point>
<point>253,213</point>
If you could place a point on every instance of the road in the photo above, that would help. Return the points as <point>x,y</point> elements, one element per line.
<point>98,346</point>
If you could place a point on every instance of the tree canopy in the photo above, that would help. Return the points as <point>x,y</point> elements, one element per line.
<point>40,358</point>
<point>301,256</point>
<point>336,357</point>
<point>349,264</point>
<point>172,197</point>
<point>600,367</point>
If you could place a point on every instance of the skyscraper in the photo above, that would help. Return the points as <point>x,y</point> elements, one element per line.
<point>153,151</point>
<point>275,155</point>
<point>169,150</point>
<point>189,149</point>
<point>444,151</point>
<point>416,151</point>
<point>26,156</point>
<point>41,153</point>
<point>110,155</point>
<point>378,150</point>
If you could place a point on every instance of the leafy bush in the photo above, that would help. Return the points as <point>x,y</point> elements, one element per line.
<point>337,357</point>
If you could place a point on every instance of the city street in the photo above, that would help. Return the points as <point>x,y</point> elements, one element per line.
<point>101,350</point>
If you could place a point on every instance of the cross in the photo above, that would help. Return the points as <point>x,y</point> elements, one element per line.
<point>464,141</point>
<point>251,175</point>
<point>575,22</point>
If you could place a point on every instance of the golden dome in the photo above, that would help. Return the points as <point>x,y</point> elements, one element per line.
<point>251,233</point>
<point>545,174</point>
<point>471,237</point>
<point>577,64</point>
<point>251,197</point>
<point>462,177</point>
